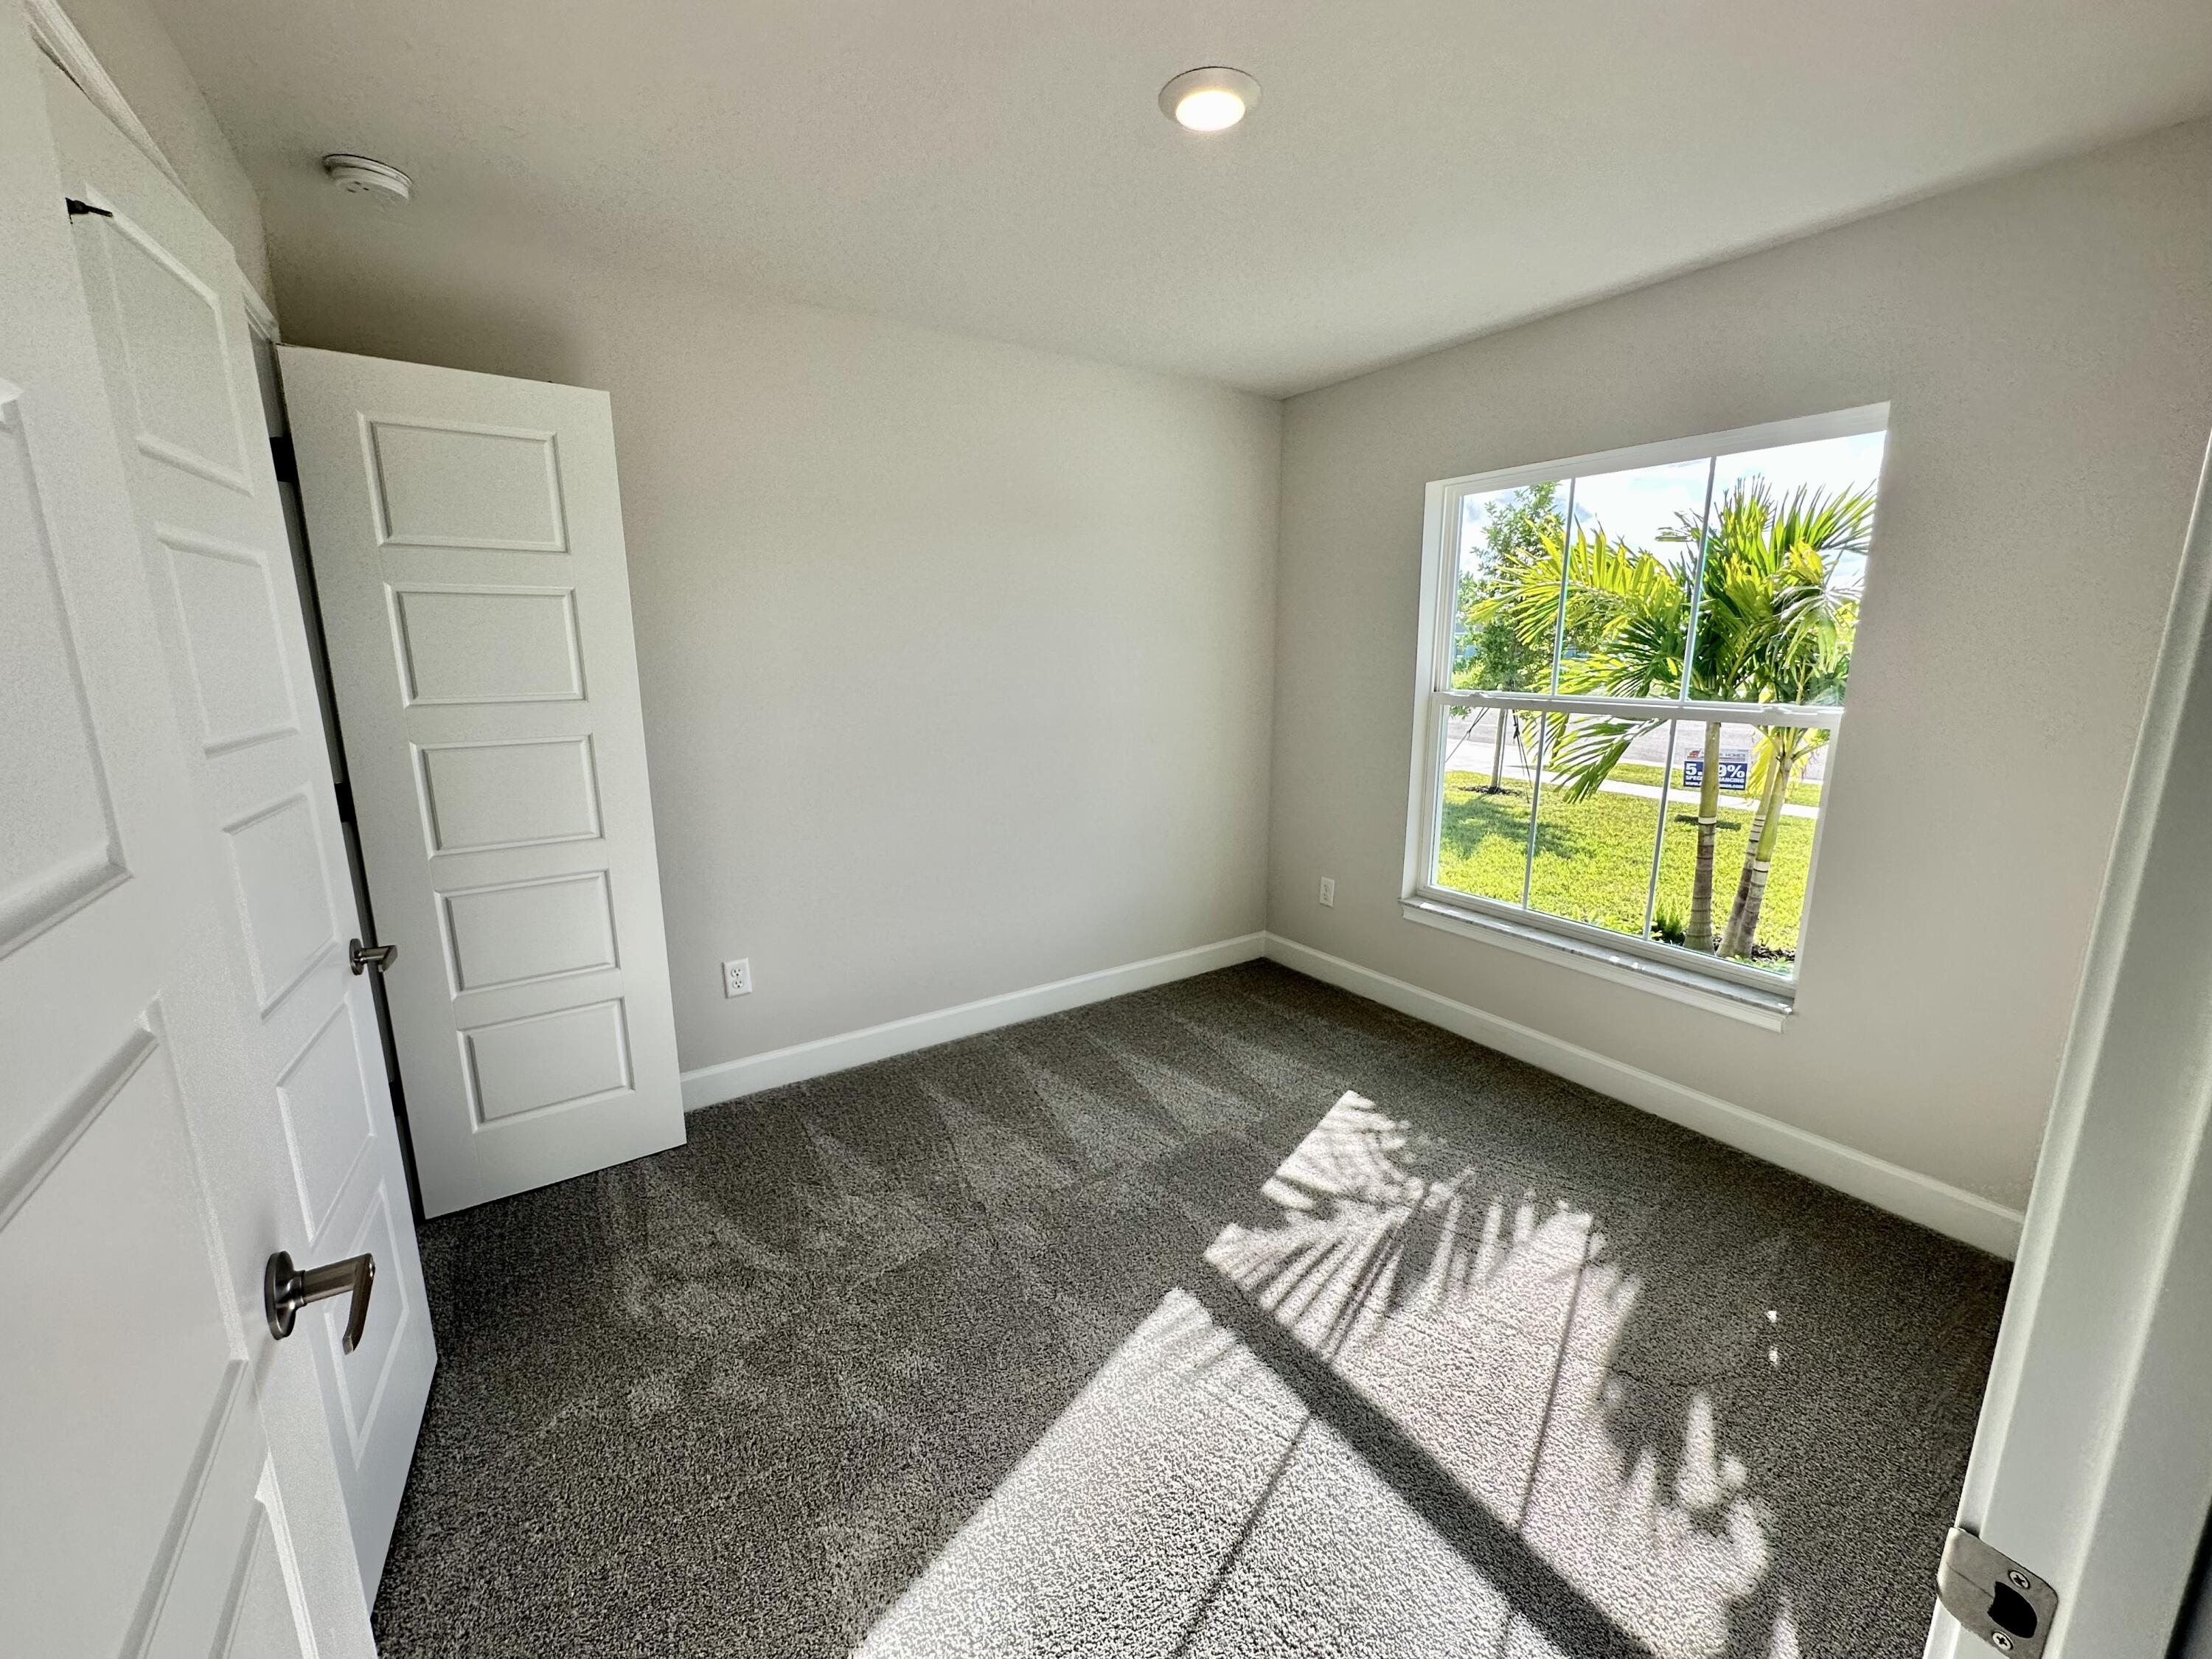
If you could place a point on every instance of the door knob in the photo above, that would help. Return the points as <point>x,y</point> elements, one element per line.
<point>285,1290</point>
<point>380,957</point>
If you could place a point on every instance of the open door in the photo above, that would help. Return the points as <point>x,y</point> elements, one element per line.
<point>167,1485</point>
<point>466,536</point>
<point>2091,1469</point>
<point>169,321</point>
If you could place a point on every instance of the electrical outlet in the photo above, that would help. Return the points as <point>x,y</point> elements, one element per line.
<point>738,977</point>
<point>1329,890</point>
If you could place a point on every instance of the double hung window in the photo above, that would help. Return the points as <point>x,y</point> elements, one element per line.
<point>1634,672</point>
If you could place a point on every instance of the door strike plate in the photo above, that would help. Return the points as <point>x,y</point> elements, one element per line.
<point>1994,1597</point>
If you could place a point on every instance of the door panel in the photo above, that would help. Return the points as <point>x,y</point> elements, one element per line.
<point>61,848</point>
<point>437,483</point>
<point>151,1454</point>
<point>467,535</point>
<point>176,349</point>
<point>162,1384</point>
<point>495,797</point>
<point>477,645</point>
<point>515,932</point>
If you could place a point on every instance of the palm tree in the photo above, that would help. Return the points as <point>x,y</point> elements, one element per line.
<point>1776,619</point>
<point>1630,613</point>
<point>1627,620</point>
<point>1781,577</point>
<point>1625,628</point>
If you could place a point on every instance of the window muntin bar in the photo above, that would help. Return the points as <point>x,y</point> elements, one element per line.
<point>1659,843</point>
<point>1655,708</point>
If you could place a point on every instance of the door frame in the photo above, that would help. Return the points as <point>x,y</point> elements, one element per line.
<point>2092,1466</point>
<point>52,34</point>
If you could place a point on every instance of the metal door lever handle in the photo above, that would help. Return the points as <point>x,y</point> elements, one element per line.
<point>382,957</point>
<point>285,1290</point>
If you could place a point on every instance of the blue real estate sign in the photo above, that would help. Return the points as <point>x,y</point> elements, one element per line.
<point>1735,768</point>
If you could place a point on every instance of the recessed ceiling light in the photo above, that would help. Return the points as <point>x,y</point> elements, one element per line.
<point>1210,99</point>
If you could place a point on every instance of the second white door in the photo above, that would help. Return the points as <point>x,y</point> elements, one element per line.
<point>167,313</point>
<point>465,531</point>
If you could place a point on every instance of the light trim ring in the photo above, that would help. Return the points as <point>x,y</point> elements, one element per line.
<point>1210,99</point>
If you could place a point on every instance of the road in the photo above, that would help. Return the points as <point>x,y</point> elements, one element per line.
<point>1473,744</point>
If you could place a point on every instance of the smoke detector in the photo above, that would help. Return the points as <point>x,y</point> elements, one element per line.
<point>360,175</point>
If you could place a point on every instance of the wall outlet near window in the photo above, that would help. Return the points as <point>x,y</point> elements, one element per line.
<point>1329,890</point>
<point>738,977</point>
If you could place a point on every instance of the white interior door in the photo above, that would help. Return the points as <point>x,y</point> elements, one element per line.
<point>165,1486</point>
<point>2093,1464</point>
<point>172,331</point>
<point>466,536</point>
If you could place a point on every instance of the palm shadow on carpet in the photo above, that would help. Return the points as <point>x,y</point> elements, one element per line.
<point>1238,1317</point>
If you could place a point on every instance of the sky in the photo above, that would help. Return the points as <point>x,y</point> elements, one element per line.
<point>1635,506</point>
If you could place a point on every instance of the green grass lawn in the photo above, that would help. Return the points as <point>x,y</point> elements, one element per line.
<point>1593,857</point>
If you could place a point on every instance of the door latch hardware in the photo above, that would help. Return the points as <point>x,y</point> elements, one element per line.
<point>77,209</point>
<point>380,957</point>
<point>285,1290</point>
<point>1994,1597</point>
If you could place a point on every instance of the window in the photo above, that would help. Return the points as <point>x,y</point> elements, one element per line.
<point>1634,672</point>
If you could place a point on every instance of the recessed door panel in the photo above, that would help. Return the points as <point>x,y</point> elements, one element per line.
<point>365,1374</point>
<point>324,1097</point>
<point>179,363</point>
<point>227,616</point>
<point>259,1621</point>
<point>519,933</point>
<point>486,645</point>
<point>440,485</point>
<point>490,797</point>
<point>58,844</point>
<point>152,1370</point>
<point>522,1065</point>
<point>277,860</point>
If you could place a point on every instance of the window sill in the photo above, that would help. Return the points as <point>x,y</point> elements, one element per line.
<point>1714,994</point>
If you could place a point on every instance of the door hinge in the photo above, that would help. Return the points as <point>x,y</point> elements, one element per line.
<point>341,788</point>
<point>286,463</point>
<point>77,209</point>
<point>1994,1597</point>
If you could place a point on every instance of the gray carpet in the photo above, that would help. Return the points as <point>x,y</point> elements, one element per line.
<point>1239,1317</point>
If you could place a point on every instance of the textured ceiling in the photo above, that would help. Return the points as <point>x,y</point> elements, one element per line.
<point>1419,170</point>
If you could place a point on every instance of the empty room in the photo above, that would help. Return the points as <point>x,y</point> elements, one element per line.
<point>1105,831</point>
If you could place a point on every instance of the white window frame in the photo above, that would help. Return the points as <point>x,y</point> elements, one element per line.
<point>1727,988</point>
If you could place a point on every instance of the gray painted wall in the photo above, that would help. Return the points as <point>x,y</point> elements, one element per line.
<point>2045,342</point>
<point>955,656</point>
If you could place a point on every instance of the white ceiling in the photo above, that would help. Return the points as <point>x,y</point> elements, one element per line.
<point>1419,170</point>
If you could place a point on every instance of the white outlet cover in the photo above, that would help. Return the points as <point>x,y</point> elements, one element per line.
<point>738,977</point>
<point>1328,889</point>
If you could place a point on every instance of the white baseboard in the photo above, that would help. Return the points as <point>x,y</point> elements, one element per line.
<point>711,1084</point>
<point>1947,1209</point>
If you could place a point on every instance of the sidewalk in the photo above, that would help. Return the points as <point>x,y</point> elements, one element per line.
<point>1469,755</point>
